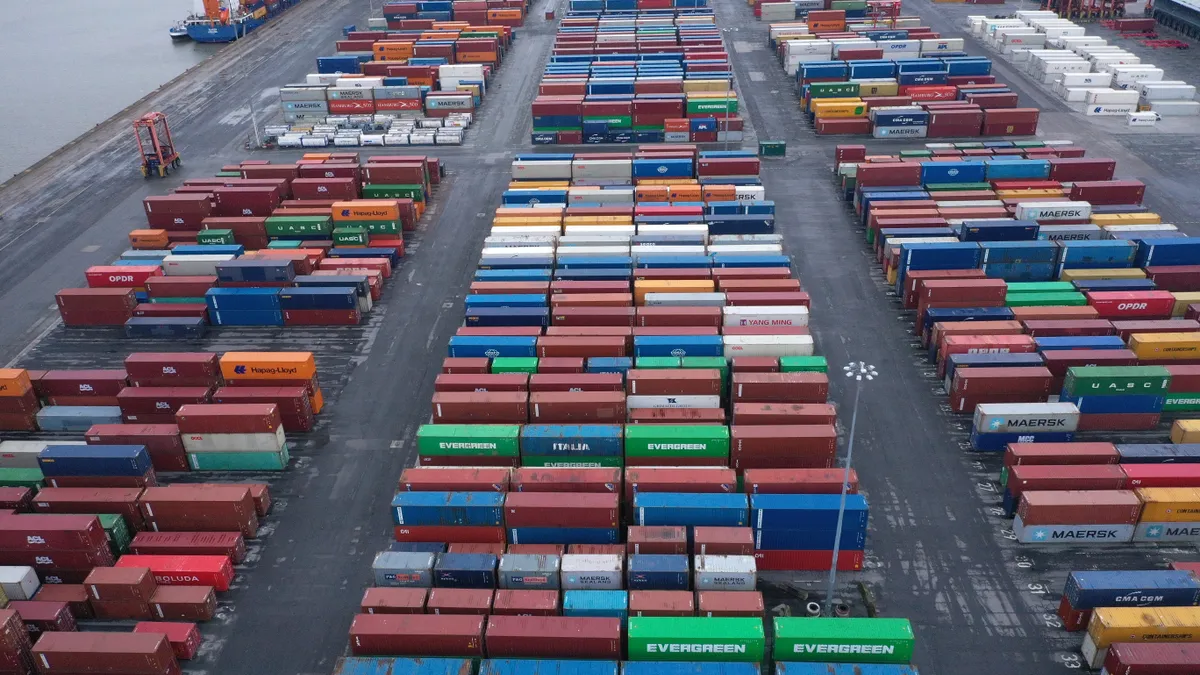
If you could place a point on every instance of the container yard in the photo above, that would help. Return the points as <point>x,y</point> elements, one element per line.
<point>583,409</point>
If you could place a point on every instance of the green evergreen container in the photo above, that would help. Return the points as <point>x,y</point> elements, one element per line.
<point>1117,380</point>
<point>607,462</point>
<point>396,191</point>
<point>803,364</point>
<point>515,364</point>
<point>350,236</point>
<point>287,226</point>
<point>849,640</point>
<point>31,478</point>
<point>1044,299</point>
<point>239,461</point>
<point>697,107</point>
<point>215,237</point>
<point>1188,402</point>
<point>684,440</point>
<point>481,440</point>
<point>694,638</point>
<point>619,121</point>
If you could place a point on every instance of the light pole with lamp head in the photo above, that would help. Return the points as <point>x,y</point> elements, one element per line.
<point>858,371</point>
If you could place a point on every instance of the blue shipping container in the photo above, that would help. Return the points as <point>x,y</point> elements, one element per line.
<point>999,230</point>
<point>678,345</point>
<point>957,361</point>
<point>465,570</point>
<point>1078,342</point>
<point>814,511</point>
<point>476,509</point>
<point>1159,453</point>
<point>573,440</point>
<point>1167,252</point>
<point>506,300</point>
<point>547,667</point>
<point>318,298</point>
<point>242,299</point>
<point>609,364</point>
<point>416,547</point>
<point>648,572</point>
<point>691,510</point>
<point>94,460</point>
<point>388,665</point>
<point>77,418</point>
<point>951,314</point>
<point>853,538</point>
<point>984,442</point>
<point>491,346</point>
<point>1150,588</point>
<point>610,604</point>
<point>190,327</point>
<point>1123,403</point>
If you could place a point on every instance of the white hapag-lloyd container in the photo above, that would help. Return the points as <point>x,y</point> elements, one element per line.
<point>541,169</point>
<point>1112,97</point>
<point>674,228</point>
<point>19,582</point>
<point>1070,210</point>
<point>765,315</point>
<point>264,442</point>
<point>593,251</point>
<point>685,300</point>
<point>725,573</point>
<point>591,230</point>
<point>1175,108</point>
<point>998,418</point>
<point>506,252</point>
<point>551,231</point>
<point>1109,109</point>
<point>193,265</point>
<point>767,345</point>
<point>747,248</point>
<point>719,239</point>
<point>638,250</point>
<point>24,454</point>
<point>594,240</point>
<point>394,569</point>
<point>689,401</point>
<point>601,168</point>
<point>1106,62</point>
<point>1142,119</point>
<point>592,572</point>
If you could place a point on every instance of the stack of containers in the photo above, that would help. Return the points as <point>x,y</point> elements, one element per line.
<point>18,401</point>
<point>1086,591</point>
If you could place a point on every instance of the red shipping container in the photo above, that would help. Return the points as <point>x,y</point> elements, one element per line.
<point>1128,304</point>
<point>229,544</point>
<point>43,616</point>
<point>228,418</point>
<point>678,479</point>
<point>1059,360</point>
<point>47,561</point>
<point>561,509</point>
<point>587,347</point>
<point>482,383</point>
<point>120,584</point>
<point>454,479</point>
<point>15,498</point>
<point>1128,191</point>
<point>800,387</point>
<point>549,479</point>
<point>544,382</point>
<point>39,532</point>
<point>982,344</point>
<point>1127,328</point>
<point>1060,453</point>
<point>457,365</point>
<point>70,653</point>
<point>1148,658</point>
<point>476,601</point>
<point>200,508</point>
<point>563,286</point>
<point>730,603</point>
<point>466,460</point>
<point>92,500</point>
<point>745,414</point>
<point>722,541</point>
<point>1162,475</point>
<point>81,383</point>
<point>464,534</point>
<point>147,369</point>
<point>782,446</point>
<point>394,601</point>
<point>75,595</point>
<point>1025,477</point>
<point>769,299</point>
<point>1070,327</point>
<point>662,603</point>
<point>120,276</point>
<point>184,638</point>
<point>1082,169</point>
<point>609,300</point>
<point>676,416</point>
<point>561,365</point>
<point>525,603</point>
<point>783,561</point>
<point>574,407</point>
<point>184,570</point>
<point>673,382</point>
<point>1079,507</point>
<point>480,408</point>
<point>142,401</point>
<point>185,603</point>
<point>798,481</point>
<point>754,364</point>
<point>553,637</point>
<point>679,316</point>
<point>536,549</point>
<point>657,540</point>
<point>417,635</point>
<point>1073,619</point>
<point>1182,377</point>
<point>325,188</point>
<point>913,281</point>
<point>941,330</point>
<point>723,274</point>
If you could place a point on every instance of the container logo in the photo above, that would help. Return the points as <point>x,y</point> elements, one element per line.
<point>491,353</point>
<point>676,648</point>
<point>802,648</point>
<point>1134,598</point>
<point>1044,534</point>
<point>1161,531</point>
<point>678,352</point>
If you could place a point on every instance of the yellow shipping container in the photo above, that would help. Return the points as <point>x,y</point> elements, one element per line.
<point>268,366</point>
<point>878,88</point>
<point>1012,194</point>
<point>1144,624</point>
<point>1104,219</point>
<point>666,181</point>
<point>692,87</point>
<point>1185,431</point>
<point>1182,300</point>
<point>1170,505</point>
<point>1118,273</point>
<point>14,382</point>
<point>643,286</point>
<point>316,156</point>
<point>838,109</point>
<point>1165,345</point>
<point>366,209</point>
<point>892,274</point>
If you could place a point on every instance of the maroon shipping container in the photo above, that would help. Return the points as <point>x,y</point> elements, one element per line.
<point>501,407</point>
<point>325,188</point>
<point>798,481</point>
<point>1119,422</point>
<point>200,508</point>
<point>561,365</point>
<point>394,601</point>
<point>558,302</point>
<point>554,637</point>
<point>184,603</point>
<point>546,382</point>
<point>558,287</point>
<point>1082,169</point>
<point>802,387</point>
<point>84,383</point>
<point>454,479</point>
<point>259,492</point>
<point>536,549</point>
<point>1068,327</point>
<point>1025,477</point>
<point>1059,360</point>
<point>551,479</point>
<point>417,635</point>
<point>95,306</point>
<point>1079,507</point>
<point>673,382</point>
<point>230,544</point>
<point>44,616</point>
<point>782,446</point>
<point>1184,376</point>
<point>1175,277</point>
<point>525,603</point>
<point>662,603</point>
<point>587,347</point>
<point>72,653</point>
<point>15,644</point>
<point>973,386</point>
<point>745,414</point>
<point>75,595</point>
<point>723,541</point>
<point>294,403</point>
<point>92,500</point>
<point>730,603</point>
<point>39,532</point>
<point>15,498</point>
<point>482,383</point>
<point>1127,328</point>
<point>1148,658</point>
<point>726,284</point>
<point>458,533</point>
<point>229,418</point>
<point>1060,453</point>
<point>477,601</point>
<point>754,364</point>
<point>677,416</point>
<point>679,316</point>
<point>914,280</point>
<point>120,584</point>
<point>458,365</point>
<point>179,286</point>
<point>137,402</point>
<point>466,460</point>
<point>122,609</point>
<point>657,540</point>
<point>184,637</point>
<point>678,479</point>
<point>575,407</point>
<point>562,509</point>
<point>1128,191</point>
<point>506,287</point>
<point>722,274</point>
<point>173,369</point>
<point>46,561</point>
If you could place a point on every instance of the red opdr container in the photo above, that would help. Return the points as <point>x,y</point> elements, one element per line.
<point>1132,304</point>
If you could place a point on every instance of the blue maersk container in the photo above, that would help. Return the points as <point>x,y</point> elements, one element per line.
<point>648,572</point>
<point>548,667</point>
<point>691,510</point>
<point>991,442</point>
<point>318,298</point>
<point>1096,254</point>
<point>439,509</point>
<point>464,570</point>
<point>175,327</point>
<point>1149,588</point>
<point>1058,342</point>
<point>78,418</point>
<point>573,440</point>
<point>1124,403</point>
<point>603,604</point>
<point>678,345</point>
<point>564,535</point>
<point>94,460</point>
<point>999,230</point>
<point>1164,252</point>
<point>1159,453</point>
<point>491,346</point>
<point>390,665</point>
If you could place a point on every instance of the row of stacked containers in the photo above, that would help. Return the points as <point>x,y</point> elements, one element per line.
<point>896,79</point>
<point>629,426</point>
<point>645,76</point>
<point>299,244</point>
<point>1057,310</point>
<point>99,526</point>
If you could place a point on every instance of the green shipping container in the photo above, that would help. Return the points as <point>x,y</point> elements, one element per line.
<point>215,237</point>
<point>283,226</point>
<point>803,364</point>
<point>1029,144</point>
<point>481,440</point>
<point>1182,402</point>
<point>772,148</point>
<point>177,301</point>
<point>697,107</point>
<point>350,236</point>
<point>1041,287</point>
<point>31,478</point>
<point>514,364</point>
<point>1045,299</point>
<point>566,463</point>
<point>374,226</point>
<point>657,362</point>
<point>284,244</point>
<point>904,154</point>
<point>397,191</point>
<point>692,440</point>
<point>1004,477</point>
<point>833,90</point>
<point>1117,380</point>
<point>622,121</point>
<point>843,640</point>
<point>228,174</point>
<point>239,461</point>
<point>849,5</point>
<point>691,638</point>
<point>117,531</point>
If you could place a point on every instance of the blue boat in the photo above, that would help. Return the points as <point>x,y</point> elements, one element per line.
<point>219,21</point>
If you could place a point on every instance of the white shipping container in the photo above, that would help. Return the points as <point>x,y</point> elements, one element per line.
<point>1074,95</point>
<point>765,315</point>
<point>1085,80</point>
<point>592,572</point>
<point>725,573</point>
<point>639,250</point>
<point>19,582</point>
<point>595,240</point>
<point>601,168</point>
<point>1146,231</point>
<point>264,442</point>
<point>1126,77</point>
<point>504,252</point>
<point>752,238</point>
<point>1112,97</point>
<point>551,231</point>
<point>767,345</point>
<point>1175,108</point>
<point>942,45</point>
<point>1022,417</point>
<point>1165,91</point>
<point>24,454</point>
<point>1142,119</point>
<point>1071,210</point>
<point>750,193</point>
<point>1108,109</point>
<point>541,169</point>
<point>590,230</point>
<point>747,248</point>
<point>685,300</point>
<point>193,265</point>
<point>676,228</point>
<point>642,401</point>
<point>598,251</point>
<point>518,240</point>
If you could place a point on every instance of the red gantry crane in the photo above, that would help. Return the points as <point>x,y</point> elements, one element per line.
<point>155,146</point>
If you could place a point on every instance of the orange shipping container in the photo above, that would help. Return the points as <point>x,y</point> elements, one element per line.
<point>149,240</point>
<point>14,382</point>
<point>367,209</point>
<point>268,366</point>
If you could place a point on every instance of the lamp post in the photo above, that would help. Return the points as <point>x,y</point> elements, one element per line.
<point>858,371</point>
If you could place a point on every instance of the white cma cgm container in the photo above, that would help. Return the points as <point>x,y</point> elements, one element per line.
<point>193,265</point>
<point>725,573</point>
<point>765,315</point>
<point>264,442</point>
<point>592,572</point>
<point>767,345</point>
<point>19,582</point>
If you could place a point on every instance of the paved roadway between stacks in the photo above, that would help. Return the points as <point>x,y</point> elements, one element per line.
<point>936,552</point>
